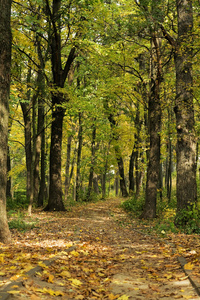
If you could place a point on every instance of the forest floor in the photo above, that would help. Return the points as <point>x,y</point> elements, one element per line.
<point>94,251</point>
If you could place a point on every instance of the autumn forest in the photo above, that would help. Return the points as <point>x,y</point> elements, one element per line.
<point>104,101</point>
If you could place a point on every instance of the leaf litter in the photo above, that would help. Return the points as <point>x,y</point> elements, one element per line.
<point>109,261</point>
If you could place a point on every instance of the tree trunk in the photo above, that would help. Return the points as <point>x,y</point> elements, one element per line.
<point>117,184</point>
<point>184,110</point>
<point>95,184</point>
<point>154,130</point>
<point>41,195</point>
<point>131,172</point>
<point>118,157</point>
<point>122,181</point>
<point>91,175</point>
<point>26,109</point>
<point>60,71</point>
<point>80,143</point>
<point>55,188</point>
<point>9,183</point>
<point>5,63</point>
<point>168,172</point>
<point>67,175</point>
<point>38,145</point>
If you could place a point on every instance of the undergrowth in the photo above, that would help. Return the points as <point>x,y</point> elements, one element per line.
<point>18,220</point>
<point>167,220</point>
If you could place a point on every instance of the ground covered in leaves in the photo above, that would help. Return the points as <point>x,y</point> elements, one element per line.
<point>94,251</point>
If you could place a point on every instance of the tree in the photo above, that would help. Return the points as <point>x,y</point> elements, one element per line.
<point>154,131</point>
<point>184,111</point>
<point>59,74</point>
<point>5,64</point>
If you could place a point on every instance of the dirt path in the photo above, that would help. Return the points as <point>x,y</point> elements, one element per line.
<point>90,254</point>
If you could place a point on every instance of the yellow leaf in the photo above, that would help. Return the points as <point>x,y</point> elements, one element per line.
<point>13,292</point>
<point>34,297</point>
<point>188,266</point>
<point>168,276</point>
<point>51,278</point>
<point>75,282</point>
<point>41,264</point>
<point>2,273</point>
<point>183,278</point>
<point>28,268</point>
<point>50,292</point>
<point>123,297</point>
<point>74,253</point>
<point>79,297</point>
<point>112,296</point>
<point>15,277</point>
<point>65,274</point>
<point>58,293</point>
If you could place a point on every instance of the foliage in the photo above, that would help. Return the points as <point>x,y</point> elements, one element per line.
<point>167,221</point>
<point>188,220</point>
<point>18,202</point>
<point>16,221</point>
<point>134,205</point>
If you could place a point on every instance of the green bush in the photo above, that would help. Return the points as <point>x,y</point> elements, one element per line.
<point>188,220</point>
<point>134,205</point>
<point>19,201</point>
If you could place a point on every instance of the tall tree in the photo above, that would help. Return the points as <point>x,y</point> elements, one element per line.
<point>60,74</point>
<point>5,63</point>
<point>154,116</point>
<point>184,110</point>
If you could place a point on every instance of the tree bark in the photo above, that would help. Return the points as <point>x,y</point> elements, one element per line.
<point>131,172</point>
<point>9,182</point>
<point>78,172</point>
<point>91,175</point>
<point>184,109</point>
<point>154,130</point>
<point>60,74</point>
<point>55,188</point>
<point>118,157</point>
<point>26,109</point>
<point>5,64</point>
<point>67,175</point>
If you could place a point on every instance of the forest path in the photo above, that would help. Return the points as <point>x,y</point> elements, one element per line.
<point>90,253</point>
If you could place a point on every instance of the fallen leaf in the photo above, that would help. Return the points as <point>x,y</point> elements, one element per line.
<point>34,297</point>
<point>123,297</point>
<point>51,278</point>
<point>79,297</point>
<point>75,281</point>
<point>112,296</point>
<point>13,292</point>
<point>188,266</point>
<point>74,253</point>
<point>65,274</point>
